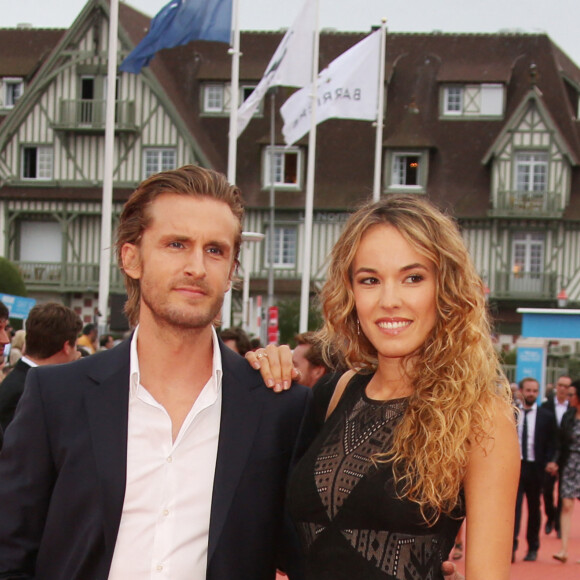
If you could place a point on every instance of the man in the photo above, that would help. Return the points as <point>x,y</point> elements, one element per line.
<point>237,339</point>
<point>88,339</point>
<point>166,455</point>
<point>51,337</point>
<point>536,433</point>
<point>4,340</point>
<point>557,405</point>
<point>106,342</point>
<point>307,358</point>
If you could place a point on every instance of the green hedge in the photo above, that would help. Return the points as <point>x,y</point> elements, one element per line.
<point>11,281</point>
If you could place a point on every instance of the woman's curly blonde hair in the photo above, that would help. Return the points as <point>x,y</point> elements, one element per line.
<point>458,382</point>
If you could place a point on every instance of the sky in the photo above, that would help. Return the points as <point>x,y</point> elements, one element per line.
<point>560,19</point>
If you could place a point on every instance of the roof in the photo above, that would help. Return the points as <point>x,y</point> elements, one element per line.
<point>24,49</point>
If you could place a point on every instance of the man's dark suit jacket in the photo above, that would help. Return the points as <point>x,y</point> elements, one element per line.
<point>11,390</point>
<point>550,404</point>
<point>62,472</point>
<point>544,438</point>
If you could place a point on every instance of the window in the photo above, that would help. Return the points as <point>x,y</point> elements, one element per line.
<point>474,100</point>
<point>214,99</point>
<point>287,166</point>
<point>12,91</point>
<point>527,262</point>
<point>246,91</point>
<point>407,170</point>
<point>284,247</point>
<point>37,162</point>
<point>453,100</point>
<point>158,159</point>
<point>531,172</point>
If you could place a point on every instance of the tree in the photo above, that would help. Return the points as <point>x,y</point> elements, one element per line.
<point>11,281</point>
<point>289,319</point>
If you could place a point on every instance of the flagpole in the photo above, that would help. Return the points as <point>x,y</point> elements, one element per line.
<point>235,91</point>
<point>233,134</point>
<point>380,114</point>
<point>107,201</point>
<point>272,231</point>
<point>309,206</point>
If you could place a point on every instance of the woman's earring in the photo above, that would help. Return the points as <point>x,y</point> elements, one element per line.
<point>358,326</point>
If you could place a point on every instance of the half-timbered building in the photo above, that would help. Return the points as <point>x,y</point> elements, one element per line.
<point>485,125</point>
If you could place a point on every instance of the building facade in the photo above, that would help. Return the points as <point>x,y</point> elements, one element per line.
<point>485,125</point>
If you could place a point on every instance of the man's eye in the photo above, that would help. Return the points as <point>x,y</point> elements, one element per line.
<point>176,245</point>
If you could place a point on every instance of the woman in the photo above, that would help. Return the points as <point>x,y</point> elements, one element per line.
<point>568,459</point>
<point>16,347</point>
<point>421,430</point>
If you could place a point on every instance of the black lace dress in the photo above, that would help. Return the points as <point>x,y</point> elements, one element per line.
<point>350,521</point>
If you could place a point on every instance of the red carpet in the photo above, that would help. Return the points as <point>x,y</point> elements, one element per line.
<point>545,567</point>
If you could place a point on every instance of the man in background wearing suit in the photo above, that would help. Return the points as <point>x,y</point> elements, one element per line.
<point>165,456</point>
<point>557,404</point>
<point>51,337</point>
<point>4,340</point>
<point>536,433</point>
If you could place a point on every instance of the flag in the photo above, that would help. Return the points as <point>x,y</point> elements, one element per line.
<point>180,22</point>
<point>347,89</point>
<point>290,66</point>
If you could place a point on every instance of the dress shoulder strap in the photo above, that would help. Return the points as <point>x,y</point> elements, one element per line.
<point>348,378</point>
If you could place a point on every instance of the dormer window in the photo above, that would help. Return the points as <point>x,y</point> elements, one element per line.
<point>473,100</point>
<point>287,169</point>
<point>216,98</point>
<point>454,100</point>
<point>407,171</point>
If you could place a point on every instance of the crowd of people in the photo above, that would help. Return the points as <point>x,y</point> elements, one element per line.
<point>550,456</point>
<point>54,334</point>
<point>169,455</point>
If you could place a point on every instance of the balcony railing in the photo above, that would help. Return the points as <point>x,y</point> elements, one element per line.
<point>89,115</point>
<point>541,204</point>
<point>79,277</point>
<point>525,285</point>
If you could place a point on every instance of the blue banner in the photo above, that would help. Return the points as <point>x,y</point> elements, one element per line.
<point>531,362</point>
<point>18,306</point>
<point>180,22</point>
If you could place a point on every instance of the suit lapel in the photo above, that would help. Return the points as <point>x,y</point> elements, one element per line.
<point>107,403</point>
<point>239,422</point>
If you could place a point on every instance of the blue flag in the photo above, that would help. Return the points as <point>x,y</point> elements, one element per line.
<point>180,22</point>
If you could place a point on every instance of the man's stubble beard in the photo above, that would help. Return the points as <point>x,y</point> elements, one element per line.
<point>179,317</point>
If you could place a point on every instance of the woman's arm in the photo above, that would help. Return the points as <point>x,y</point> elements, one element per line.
<point>491,485</point>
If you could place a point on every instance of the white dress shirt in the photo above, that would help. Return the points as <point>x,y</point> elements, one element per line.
<point>531,418</point>
<point>29,362</point>
<point>560,408</point>
<point>166,511</point>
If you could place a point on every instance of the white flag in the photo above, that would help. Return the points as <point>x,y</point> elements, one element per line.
<point>290,66</point>
<point>347,89</point>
